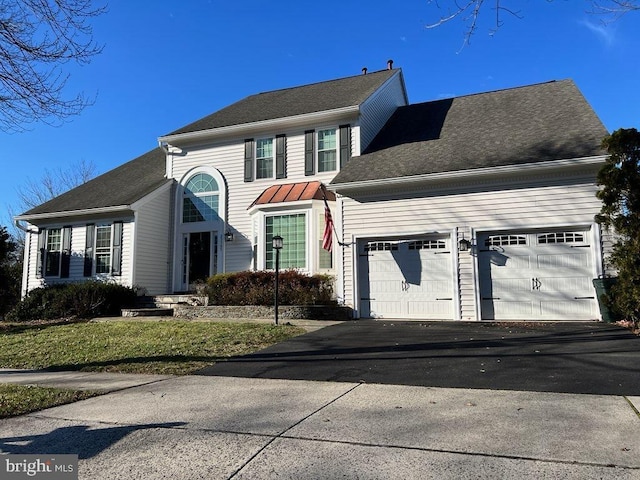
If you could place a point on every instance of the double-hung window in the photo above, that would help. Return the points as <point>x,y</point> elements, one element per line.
<point>327,150</point>
<point>103,249</point>
<point>54,245</point>
<point>53,254</point>
<point>264,158</point>
<point>293,229</point>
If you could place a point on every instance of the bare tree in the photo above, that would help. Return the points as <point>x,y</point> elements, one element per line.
<point>51,184</point>
<point>37,38</point>
<point>469,11</point>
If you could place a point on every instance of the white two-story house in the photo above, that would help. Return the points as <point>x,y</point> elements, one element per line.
<point>477,207</point>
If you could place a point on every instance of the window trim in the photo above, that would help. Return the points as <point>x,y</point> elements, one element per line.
<point>188,194</point>
<point>48,252</point>
<point>64,252</point>
<point>116,237</point>
<point>336,149</point>
<point>100,250</point>
<point>258,159</point>
<point>264,246</point>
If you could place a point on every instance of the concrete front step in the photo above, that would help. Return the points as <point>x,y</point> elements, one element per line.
<point>147,312</point>
<point>172,301</point>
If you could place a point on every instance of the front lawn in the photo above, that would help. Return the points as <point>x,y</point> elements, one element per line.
<point>22,399</point>
<point>163,347</point>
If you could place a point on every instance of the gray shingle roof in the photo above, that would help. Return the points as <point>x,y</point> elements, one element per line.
<point>548,121</point>
<point>121,186</point>
<point>317,97</point>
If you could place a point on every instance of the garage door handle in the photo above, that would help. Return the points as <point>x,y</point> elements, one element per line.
<point>580,246</point>
<point>444,298</point>
<point>583,298</point>
<point>491,298</point>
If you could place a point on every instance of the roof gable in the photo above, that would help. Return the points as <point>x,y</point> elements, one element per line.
<point>537,123</point>
<point>288,102</point>
<point>121,186</point>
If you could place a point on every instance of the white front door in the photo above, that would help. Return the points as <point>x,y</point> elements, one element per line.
<point>406,279</point>
<point>545,275</point>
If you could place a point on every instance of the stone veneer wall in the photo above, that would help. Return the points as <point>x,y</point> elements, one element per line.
<point>309,312</point>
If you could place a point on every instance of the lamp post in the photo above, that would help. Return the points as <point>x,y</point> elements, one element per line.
<point>276,243</point>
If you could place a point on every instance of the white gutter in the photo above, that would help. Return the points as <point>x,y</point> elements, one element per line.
<point>296,120</point>
<point>72,213</point>
<point>465,174</point>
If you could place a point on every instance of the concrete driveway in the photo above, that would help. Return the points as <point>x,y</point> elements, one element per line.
<point>594,358</point>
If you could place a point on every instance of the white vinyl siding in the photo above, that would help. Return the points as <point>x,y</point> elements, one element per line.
<point>378,108</point>
<point>227,158</point>
<point>153,244</point>
<point>536,206</point>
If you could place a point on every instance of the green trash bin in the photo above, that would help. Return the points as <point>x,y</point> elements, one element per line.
<point>603,287</point>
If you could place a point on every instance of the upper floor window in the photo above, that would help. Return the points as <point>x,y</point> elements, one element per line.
<point>327,150</point>
<point>201,197</point>
<point>264,158</point>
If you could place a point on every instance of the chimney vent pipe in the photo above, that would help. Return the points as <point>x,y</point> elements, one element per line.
<point>364,70</point>
<point>389,64</point>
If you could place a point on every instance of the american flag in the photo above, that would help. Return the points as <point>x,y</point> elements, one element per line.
<point>327,237</point>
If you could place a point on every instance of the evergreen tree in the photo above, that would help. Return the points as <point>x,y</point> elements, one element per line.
<point>620,195</point>
<point>10,272</point>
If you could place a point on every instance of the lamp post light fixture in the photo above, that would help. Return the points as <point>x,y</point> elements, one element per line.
<point>276,243</point>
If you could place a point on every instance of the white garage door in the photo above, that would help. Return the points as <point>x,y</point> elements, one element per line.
<point>537,276</point>
<point>406,279</point>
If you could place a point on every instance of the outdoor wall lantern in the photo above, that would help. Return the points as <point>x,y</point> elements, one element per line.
<point>228,237</point>
<point>276,243</point>
<point>464,244</point>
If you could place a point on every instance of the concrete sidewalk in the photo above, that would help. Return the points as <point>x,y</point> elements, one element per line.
<point>196,427</point>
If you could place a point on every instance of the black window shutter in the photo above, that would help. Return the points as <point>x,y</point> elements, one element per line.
<point>345,144</point>
<point>309,153</point>
<point>66,252</point>
<point>42,237</point>
<point>248,160</point>
<point>116,264</point>
<point>281,156</point>
<point>88,250</point>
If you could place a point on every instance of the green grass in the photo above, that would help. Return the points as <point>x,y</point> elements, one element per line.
<point>22,399</point>
<point>163,347</point>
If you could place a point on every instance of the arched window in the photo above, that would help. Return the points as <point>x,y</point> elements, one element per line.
<point>200,201</point>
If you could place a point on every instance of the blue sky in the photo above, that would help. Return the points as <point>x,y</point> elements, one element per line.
<point>168,63</point>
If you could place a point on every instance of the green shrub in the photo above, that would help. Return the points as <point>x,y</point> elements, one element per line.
<point>256,288</point>
<point>77,300</point>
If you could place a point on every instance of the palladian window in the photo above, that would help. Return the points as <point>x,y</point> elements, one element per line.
<point>200,201</point>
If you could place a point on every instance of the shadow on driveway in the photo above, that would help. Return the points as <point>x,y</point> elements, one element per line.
<point>591,358</point>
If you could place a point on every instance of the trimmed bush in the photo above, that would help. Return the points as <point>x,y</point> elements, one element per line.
<point>73,300</point>
<point>257,288</point>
